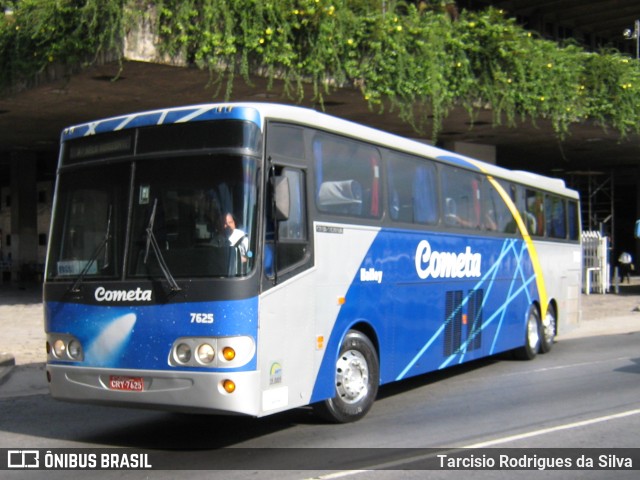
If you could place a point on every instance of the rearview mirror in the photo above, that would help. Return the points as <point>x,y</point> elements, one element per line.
<point>281,193</point>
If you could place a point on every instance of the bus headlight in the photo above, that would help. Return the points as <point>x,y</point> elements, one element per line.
<point>60,349</point>
<point>74,349</point>
<point>65,347</point>
<point>183,353</point>
<point>206,353</point>
<point>212,352</point>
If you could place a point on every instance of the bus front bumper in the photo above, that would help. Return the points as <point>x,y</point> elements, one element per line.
<point>180,391</point>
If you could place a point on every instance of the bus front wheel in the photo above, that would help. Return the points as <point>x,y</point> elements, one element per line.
<point>531,336</point>
<point>357,374</point>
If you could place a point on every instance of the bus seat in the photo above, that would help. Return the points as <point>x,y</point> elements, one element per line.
<point>450,212</point>
<point>342,196</point>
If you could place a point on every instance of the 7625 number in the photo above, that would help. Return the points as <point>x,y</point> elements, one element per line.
<point>201,317</point>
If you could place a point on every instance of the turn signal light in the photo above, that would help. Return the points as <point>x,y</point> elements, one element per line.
<point>228,353</point>
<point>229,386</point>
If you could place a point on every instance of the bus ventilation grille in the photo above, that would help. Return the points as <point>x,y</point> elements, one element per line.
<point>463,331</point>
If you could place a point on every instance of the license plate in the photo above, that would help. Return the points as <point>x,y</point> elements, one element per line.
<point>128,384</point>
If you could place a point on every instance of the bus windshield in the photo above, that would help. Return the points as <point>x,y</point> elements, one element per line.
<point>195,215</point>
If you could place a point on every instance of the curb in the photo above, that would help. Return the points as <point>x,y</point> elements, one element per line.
<point>7,362</point>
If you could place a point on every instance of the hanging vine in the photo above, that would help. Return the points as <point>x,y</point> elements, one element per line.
<point>420,58</point>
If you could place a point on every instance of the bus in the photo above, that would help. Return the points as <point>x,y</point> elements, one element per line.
<point>249,258</point>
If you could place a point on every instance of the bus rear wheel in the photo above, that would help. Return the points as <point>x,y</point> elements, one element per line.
<point>357,374</point>
<point>549,326</point>
<point>531,336</point>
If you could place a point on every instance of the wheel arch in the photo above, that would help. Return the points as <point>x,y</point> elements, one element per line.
<point>367,329</point>
<point>554,304</point>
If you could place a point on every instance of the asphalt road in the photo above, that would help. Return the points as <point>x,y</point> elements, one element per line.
<point>584,394</point>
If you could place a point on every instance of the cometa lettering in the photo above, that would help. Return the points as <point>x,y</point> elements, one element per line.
<point>137,295</point>
<point>446,264</point>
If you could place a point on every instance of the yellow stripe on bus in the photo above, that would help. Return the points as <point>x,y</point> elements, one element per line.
<point>533,254</point>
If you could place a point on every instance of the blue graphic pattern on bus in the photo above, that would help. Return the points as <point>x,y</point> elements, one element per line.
<point>439,293</point>
<point>141,336</point>
<point>160,117</point>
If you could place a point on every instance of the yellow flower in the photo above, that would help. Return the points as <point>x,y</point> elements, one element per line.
<point>261,41</point>
<point>268,31</point>
<point>549,65</point>
<point>542,99</point>
<point>350,41</point>
<point>399,28</point>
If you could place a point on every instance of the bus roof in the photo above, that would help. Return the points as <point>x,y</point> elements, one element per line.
<point>259,112</point>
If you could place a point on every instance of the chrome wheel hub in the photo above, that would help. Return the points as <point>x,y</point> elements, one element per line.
<point>352,376</point>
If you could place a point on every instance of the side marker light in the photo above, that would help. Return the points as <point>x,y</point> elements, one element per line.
<point>229,386</point>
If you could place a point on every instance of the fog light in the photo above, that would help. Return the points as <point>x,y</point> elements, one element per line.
<point>183,353</point>
<point>205,353</point>
<point>229,386</point>
<point>75,350</point>
<point>59,348</point>
<point>228,353</point>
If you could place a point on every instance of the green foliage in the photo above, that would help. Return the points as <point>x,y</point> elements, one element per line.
<point>416,58</point>
<point>66,33</point>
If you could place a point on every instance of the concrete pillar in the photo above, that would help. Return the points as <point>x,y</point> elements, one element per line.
<point>24,215</point>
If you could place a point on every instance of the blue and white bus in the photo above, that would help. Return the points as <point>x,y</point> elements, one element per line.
<point>253,258</point>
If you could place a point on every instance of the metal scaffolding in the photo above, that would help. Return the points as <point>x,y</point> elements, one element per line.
<point>597,191</point>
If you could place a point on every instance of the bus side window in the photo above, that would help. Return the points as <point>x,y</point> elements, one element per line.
<point>574,221</point>
<point>556,218</point>
<point>292,241</point>
<point>534,204</point>
<point>461,192</point>
<point>496,215</point>
<point>419,203</point>
<point>347,176</point>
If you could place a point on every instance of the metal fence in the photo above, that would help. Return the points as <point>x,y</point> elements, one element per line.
<point>596,269</point>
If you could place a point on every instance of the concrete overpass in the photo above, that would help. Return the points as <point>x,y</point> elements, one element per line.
<point>598,162</point>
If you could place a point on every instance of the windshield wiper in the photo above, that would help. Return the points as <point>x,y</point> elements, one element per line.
<point>103,245</point>
<point>153,243</point>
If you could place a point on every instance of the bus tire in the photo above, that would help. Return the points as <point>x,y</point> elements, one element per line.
<point>548,330</point>
<point>356,381</point>
<point>531,336</point>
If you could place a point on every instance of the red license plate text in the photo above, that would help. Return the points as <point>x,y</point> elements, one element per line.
<point>128,384</point>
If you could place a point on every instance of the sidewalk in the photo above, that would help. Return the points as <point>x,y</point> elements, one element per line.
<point>22,338</point>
